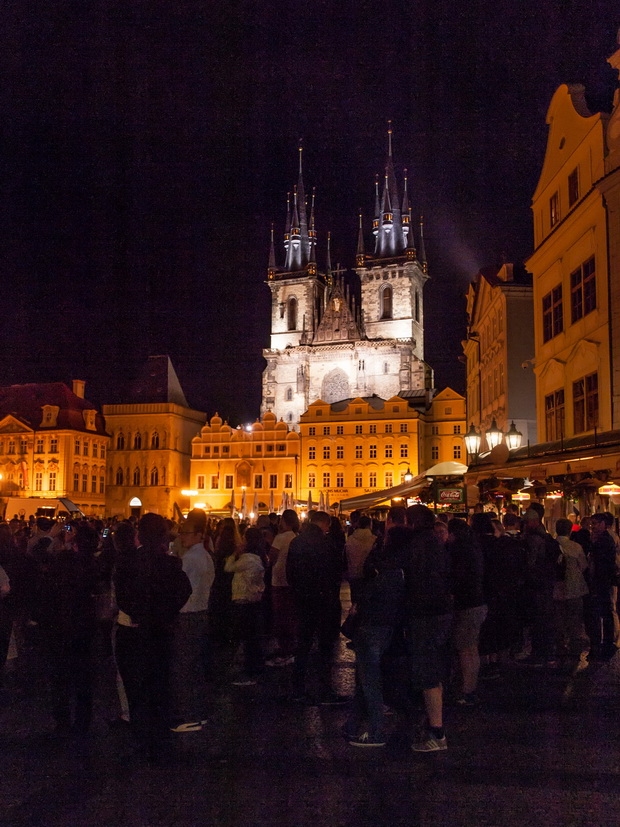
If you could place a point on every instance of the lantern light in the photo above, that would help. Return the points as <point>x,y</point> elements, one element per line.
<point>408,476</point>
<point>520,496</point>
<point>553,495</point>
<point>513,438</point>
<point>609,489</point>
<point>494,435</point>
<point>472,440</point>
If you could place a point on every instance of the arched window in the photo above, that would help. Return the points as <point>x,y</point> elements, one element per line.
<point>289,394</point>
<point>155,440</point>
<point>137,441</point>
<point>154,477</point>
<point>136,477</point>
<point>291,314</point>
<point>119,476</point>
<point>290,417</point>
<point>386,302</point>
<point>120,442</point>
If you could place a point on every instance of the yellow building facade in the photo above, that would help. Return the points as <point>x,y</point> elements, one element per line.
<point>53,443</point>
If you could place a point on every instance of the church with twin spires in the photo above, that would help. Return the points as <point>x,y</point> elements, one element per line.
<point>325,346</point>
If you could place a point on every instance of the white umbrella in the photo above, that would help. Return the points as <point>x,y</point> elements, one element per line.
<point>232,503</point>
<point>255,505</point>
<point>243,508</point>
<point>321,501</point>
<point>291,501</point>
<point>310,503</point>
<point>284,504</point>
<point>272,505</point>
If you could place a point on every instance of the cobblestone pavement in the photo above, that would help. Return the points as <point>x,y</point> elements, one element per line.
<point>542,749</point>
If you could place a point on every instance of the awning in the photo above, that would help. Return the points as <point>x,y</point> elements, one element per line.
<point>70,506</point>
<point>405,489</point>
<point>447,469</point>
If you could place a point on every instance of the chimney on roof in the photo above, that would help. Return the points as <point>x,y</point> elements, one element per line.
<point>78,387</point>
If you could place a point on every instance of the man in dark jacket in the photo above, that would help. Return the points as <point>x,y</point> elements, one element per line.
<point>604,587</point>
<point>314,569</point>
<point>428,606</point>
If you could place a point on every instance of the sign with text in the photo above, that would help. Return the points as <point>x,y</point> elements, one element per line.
<point>450,495</point>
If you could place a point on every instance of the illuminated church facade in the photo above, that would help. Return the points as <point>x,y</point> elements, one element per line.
<point>325,345</point>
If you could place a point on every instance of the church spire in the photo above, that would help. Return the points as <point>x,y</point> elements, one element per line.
<point>312,237</point>
<point>328,261</point>
<point>375,223</point>
<point>301,206</point>
<point>360,244</point>
<point>390,230</point>
<point>271,267</point>
<point>422,249</point>
<point>404,212</point>
<point>287,226</point>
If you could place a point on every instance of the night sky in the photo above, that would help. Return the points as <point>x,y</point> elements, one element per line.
<point>148,145</point>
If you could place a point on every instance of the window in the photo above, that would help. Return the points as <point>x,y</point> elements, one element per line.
<point>372,429</point>
<point>102,485</point>
<point>326,452</point>
<point>358,479</point>
<point>95,450</point>
<point>456,452</point>
<point>554,209</point>
<point>372,479</point>
<point>23,446</point>
<point>93,484</point>
<point>154,477</point>
<point>289,395</point>
<point>76,480</point>
<point>291,314</point>
<point>501,380</point>
<point>404,450</point>
<point>228,481</point>
<point>38,481</point>
<point>326,430</point>
<point>389,479</point>
<point>457,429</point>
<point>358,429</point>
<point>447,411</point>
<point>311,452</point>
<point>52,481</point>
<point>583,290</point>
<point>359,451</point>
<point>119,479</point>
<point>215,482</point>
<point>312,431</point>
<point>207,450</point>
<point>417,305</point>
<point>339,451</point>
<point>11,448</point>
<point>281,448</point>
<point>573,187</point>
<point>120,442</point>
<point>318,413</point>
<point>155,440</point>
<point>386,302</point>
<point>137,442</point>
<point>388,451</point>
<point>76,446</point>
<point>386,368</point>
<point>388,428</point>
<point>259,449</point>
<point>340,480</point>
<point>258,481</point>
<point>554,415</point>
<point>311,480</point>
<point>553,322</point>
<point>372,452</point>
<point>85,449</point>
<point>403,427</point>
<point>84,483</point>
<point>435,430</point>
<point>585,403</point>
<point>216,449</point>
<point>326,479</point>
<point>434,451</point>
<point>136,476</point>
<point>273,481</point>
<point>200,482</point>
<point>339,430</point>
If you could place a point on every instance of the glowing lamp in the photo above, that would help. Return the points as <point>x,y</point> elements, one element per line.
<point>609,489</point>
<point>494,435</point>
<point>200,505</point>
<point>472,440</point>
<point>520,496</point>
<point>252,515</point>
<point>408,476</point>
<point>189,492</point>
<point>553,495</point>
<point>513,438</point>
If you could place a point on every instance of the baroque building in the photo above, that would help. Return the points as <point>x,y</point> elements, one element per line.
<point>325,346</point>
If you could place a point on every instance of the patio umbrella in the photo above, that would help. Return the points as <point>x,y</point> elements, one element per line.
<point>291,501</point>
<point>310,503</point>
<point>284,504</point>
<point>321,501</point>
<point>272,505</point>
<point>255,505</point>
<point>232,503</point>
<point>243,508</point>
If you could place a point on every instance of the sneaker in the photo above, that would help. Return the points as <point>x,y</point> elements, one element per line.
<point>334,700</point>
<point>468,701</point>
<point>364,740</point>
<point>430,744</point>
<point>244,682</point>
<point>188,726</point>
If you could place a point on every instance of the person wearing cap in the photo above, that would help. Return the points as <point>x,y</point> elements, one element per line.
<point>191,627</point>
<point>604,587</point>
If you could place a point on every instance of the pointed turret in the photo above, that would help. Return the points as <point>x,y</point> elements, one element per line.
<point>303,215</point>
<point>390,230</point>
<point>312,237</point>
<point>271,267</point>
<point>404,212</point>
<point>375,223</point>
<point>422,248</point>
<point>287,226</point>
<point>359,257</point>
<point>328,259</point>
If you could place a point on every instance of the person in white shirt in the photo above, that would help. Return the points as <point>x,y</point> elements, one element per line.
<point>192,626</point>
<point>357,549</point>
<point>568,594</point>
<point>283,605</point>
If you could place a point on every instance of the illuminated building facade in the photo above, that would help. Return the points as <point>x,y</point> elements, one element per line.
<point>260,464</point>
<point>324,345</point>
<point>150,450</point>
<point>53,443</point>
<point>499,350</point>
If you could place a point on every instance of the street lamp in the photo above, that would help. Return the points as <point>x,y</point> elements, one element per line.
<point>513,438</point>
<point>472,440</point>
<point>494,435</point>
<point>408,476</point>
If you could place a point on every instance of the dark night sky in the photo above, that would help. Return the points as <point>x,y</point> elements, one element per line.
<point>147,146</point>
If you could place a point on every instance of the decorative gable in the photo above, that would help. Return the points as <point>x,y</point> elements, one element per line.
<point>89,419</point>
<point>50,416</point>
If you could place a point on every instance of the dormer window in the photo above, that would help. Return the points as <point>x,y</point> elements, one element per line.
<point>50,416</point>
<point>89,419</point>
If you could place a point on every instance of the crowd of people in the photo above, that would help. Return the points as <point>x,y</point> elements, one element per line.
<point>437,604</point>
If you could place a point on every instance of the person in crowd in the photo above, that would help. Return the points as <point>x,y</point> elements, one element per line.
<point>379,610</point>
<point>338,537</point>
<point>358,545</point>
<point>227,544</point>
<point>604,587</point>
<point>123,545</point>
<point>151,588</point>
<point>428,609</point>
<point>470,609</point>
<point>572,643</point>
<point>284,619</point>
<point>441,530</point>
<point>191,627</point>
<point>314,569</point>
<point>354,519</point>
<point>67,621</point>
<point>248,586</point>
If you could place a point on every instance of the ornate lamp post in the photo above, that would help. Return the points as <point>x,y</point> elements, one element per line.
<point>494,435</point>
<point>513,438</point>
<point>472,441</point>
